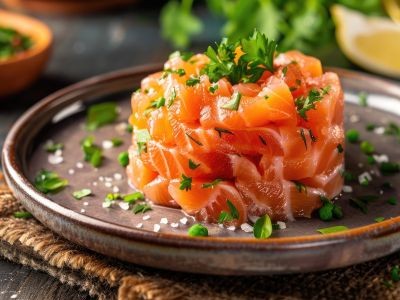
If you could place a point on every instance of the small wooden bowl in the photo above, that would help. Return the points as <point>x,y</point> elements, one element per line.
<point>21,70</point>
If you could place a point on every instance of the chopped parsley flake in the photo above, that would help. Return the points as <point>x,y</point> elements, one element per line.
<point>229,216</point>
<point>304,104</point>
<point>172,98</point>
<point>363,99</point>
<point>141,208</point>
<point>263,227</point>
<point>133,197</point>
<point>234,103</point>
<point>116,142</point>
<point>192,81</point>
<point>78,195</point>
<point>222,130</point>
<point>329,210</point>
<point>340,148</point>
<point>212,89</point>
<point>53,147</point>
<point>379,219</point>
<point>101,114</point>
<point>284,70</point>
<point>198,230</point>
<point>352,135</point>
<point>92,153</point>
<point>332,229</point>
<point>367,148</point>
<point>395,274</point>
<point>392,200</point>
<point>160,102</point>
<point>142,137</point>
<point>49,182</point>
<point>186,183</point>
<point>22,215</point>
<point>211,184</point>
<point>193,165</point>
<point>123,158</point>
<point>388,168</point>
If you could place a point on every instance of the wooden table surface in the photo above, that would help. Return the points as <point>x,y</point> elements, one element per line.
<point>85,46</point>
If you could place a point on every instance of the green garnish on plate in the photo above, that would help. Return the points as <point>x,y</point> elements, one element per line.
<point>329,210</point>
<point>123,159</point>
<point>185,183</point>
<point>52,147</point>
<point>22,215</point>
<point>78,195</point>
<point>49,182</point>
<point>211,184</point>
<point>141,208</point>
<point>198,230</point>
<point>352,135</point>
<point>133,197</point>
<point>227,216</point>
<point>332,229</point>
<point>92,153</point>
<point>263,227</point>
<point>234,103</point>
<point>101,114</point>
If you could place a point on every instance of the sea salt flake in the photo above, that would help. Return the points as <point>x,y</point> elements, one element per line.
<point>115,189</point>
<point>156,227</point>
<point>282,225</point>
<point>347,189</point>
<point>174,225</point>
<point>58,152</point>
<point>364,177</point>
<point>354,118</point>
<point>79,165</point>
<point>146,217</point>
<point>139,225</point>
<point>379,130</point>
<point>380,158</point>
<point>108,184</point>
<point>14,296</point>
<point>117,176</point>
<point>107,144</point>
<point>164,221</point>
<point>124,205</point>
<point>381,192</point>
<point>83,211</point>
<point>85,203</point>
<point>101,178</point>
<point>246,227</point>
<point>71,171</point>
<point>231,228</point>
<point>55,160</point>
<point>107,204</point>
<point>184,220</point>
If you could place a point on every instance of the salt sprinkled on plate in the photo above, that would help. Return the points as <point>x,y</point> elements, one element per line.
<point>108,179</point>
<point>85,203</point>
<point>347,189</point>
<point>174,225</point>
<point>354,118</point>
<point>282,225</point>
<point>139,225</point>
<point>58,152</point>
<point>246,227</point>
<point>379,130</point>
<point>115,189</point>
<point>107,144</point>
<point>184,220</point>
<point>101,178</point>
<point>164,221</point>
<point>231,228</point>
<point>380,158</point>
<point>79,165</point>
<point>71,171</point>
<point>107,204</point>
<point>83,211</point>
<point>55,159</point>
<point>381,192</point>
<point>108,184</point>
<point>14,296</point>
<point>117,176</point>
<point>156,227</point>
<point>124,205</point>
<point>146,217</point>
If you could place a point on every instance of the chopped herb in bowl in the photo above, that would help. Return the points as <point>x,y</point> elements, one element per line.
<point>13,43</point>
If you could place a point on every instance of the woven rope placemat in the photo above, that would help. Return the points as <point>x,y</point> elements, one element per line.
<point>27,242</point>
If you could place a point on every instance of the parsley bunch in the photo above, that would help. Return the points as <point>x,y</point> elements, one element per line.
<point>258,57</point>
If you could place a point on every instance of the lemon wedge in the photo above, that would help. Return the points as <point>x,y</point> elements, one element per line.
<point>370,42</point>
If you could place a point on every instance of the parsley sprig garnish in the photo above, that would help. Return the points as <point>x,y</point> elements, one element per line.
<point>227,216</point>
<point>258,57</point>
<point>185,183</point>
<point>304,104</point>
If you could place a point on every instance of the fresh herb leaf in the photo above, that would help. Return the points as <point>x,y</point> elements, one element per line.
<point>123,158</point>
<point>101,114</point>
<point>49,182</point>
<point>160,102</point>
<point>211,184</point>
<point>212,89</point>
<point>304,104</point>
<point>367,148</point>
<point>379,219</point>
<point>329,210</point>
<point>198,230</point>
<point>186,183</point>
<point>116,142</point>
<point>332,229</point>
<point>234,103</point>
<point>395,274</point>
<point>193,165</point>
<point>284,70</point>
<point>13,42</point>
<point>263,227</point>
<point>352,135</point>
<point>133,197</point>
<point>92,153</point>
<point>228,216</point>
<point>193,139</point>
<point>388,168</point>
<point>129,128</point>
<point>22,215</point>
<point>52,147</point>
<point>363,99</point>
<point>392,200</point>
<point>222,130</point>
<point>361,202</point>
<point>348,176</point>
<point>141,208</point>
<point>371,160</point>
<point>370,127</point>
<point>78,195</point>
<point>192,81</point>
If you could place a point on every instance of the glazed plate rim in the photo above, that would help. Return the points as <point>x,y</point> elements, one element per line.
<point>15,176</point>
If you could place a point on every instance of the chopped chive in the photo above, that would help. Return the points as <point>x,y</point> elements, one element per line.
<point>78,195</point>
<point>211,184</point>
<point>213,88</point>
<point>388,168</point>
<point>300,186</point>
<point>371,160</point>
<point>395,273</point>
<point>193,165</point>
<point>329,210</point>
<point>234,103</point>
<point>284,70</point>
<point>22,215</point>
<point>263,227</point>
<point>352,135</point>
<point>222,130</point>
<point>117,142</point>
<point>141,208</point>
<point>228,216</point>
<point>193,139</point>
<point>192,81</point>
<point>370,127</point>
<point>348,176</point>
<point>198,230</point>
<point>367,148</point>
<point>133,197</point>
<point>332,229</point>
<point>92,153</point>
<point>123,158</point>
<point>172,98</point>
<point>160,102</point>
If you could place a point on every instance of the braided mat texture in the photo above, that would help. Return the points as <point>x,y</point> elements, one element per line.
<point>27,242</point>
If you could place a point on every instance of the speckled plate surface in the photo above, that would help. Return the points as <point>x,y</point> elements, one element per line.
<point>119,233</point>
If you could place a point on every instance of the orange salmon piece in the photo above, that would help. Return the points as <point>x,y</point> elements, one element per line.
<point>157,191</point>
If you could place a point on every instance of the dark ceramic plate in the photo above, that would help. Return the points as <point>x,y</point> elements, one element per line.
<point>115,231</point>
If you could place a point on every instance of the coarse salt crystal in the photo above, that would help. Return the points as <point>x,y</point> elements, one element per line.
<point>146,217</point>
<point>101,178</point>
<point>14,296</point>
<point>246,227</point>
<point>79,165</point>
<point>115,189</point>
<point>108,184</point>
<point>380,158</point>
<point>117,176</point>
<point>83,211</point>
<point>108,179</point>
<point>85,203</point>
<point>71,171</point>
<point>124,205</point>
<point>139,225</point>
<point>94,183</point>
<point>282,225</point>
<point>156,227</point>
<point>107,144</point>
<point>347,189</point>
<point>221,225</point>
<point>55,160</point>
<point>381,192</point>
<point>184,220</point>
<point>379,130</point>
<point>121,128</point>
<point>231,228</point>
<point>354,118</point>
<point>58,152</point>
<point>164,221</point>
<point>107,204</point>
<point>174,225</point>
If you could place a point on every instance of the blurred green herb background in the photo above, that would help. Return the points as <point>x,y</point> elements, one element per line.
<point>305,25</point>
